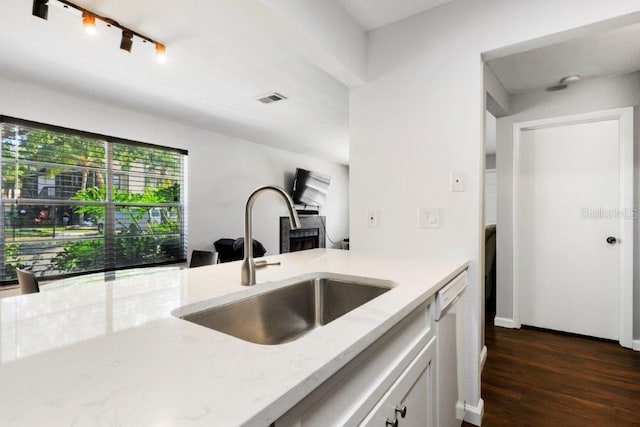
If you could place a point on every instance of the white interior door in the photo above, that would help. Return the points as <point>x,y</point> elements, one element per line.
<point>568,203</point>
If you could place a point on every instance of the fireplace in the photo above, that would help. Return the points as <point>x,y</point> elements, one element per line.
<point>310,236</point>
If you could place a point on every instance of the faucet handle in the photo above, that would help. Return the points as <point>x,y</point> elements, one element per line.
<point>263,263</point>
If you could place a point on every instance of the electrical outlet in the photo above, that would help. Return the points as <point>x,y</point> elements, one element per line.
<point>373,218</point>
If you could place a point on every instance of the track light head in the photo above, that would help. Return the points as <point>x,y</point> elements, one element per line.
<point>161,55</point>
<point>127,40</point>
<point>40,9</point>
<point>89,23</point>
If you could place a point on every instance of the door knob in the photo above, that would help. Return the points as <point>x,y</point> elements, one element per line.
<point>392,423</point>
<point>401,410</point>
<point>611,240</point>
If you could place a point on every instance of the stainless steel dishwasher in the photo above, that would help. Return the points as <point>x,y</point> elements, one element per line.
<point>449,313</point>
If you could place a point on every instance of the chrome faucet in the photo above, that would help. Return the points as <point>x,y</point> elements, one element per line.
<point>248,276</point>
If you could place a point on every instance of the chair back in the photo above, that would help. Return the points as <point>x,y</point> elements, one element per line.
<point>28,282</point>
<point>202,258</point>
<point>224,248</point>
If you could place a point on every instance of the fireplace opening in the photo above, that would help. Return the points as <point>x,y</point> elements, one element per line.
<point>310,236</point>
<point>300,240</point>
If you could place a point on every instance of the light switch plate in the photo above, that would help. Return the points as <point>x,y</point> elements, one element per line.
<point>457,181</point>
<point>428,218</point>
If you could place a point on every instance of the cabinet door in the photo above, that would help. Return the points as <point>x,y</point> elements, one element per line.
<point>414,391</point>
<point>348,397</point>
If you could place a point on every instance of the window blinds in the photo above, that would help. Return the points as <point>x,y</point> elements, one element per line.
<point>75,202</point>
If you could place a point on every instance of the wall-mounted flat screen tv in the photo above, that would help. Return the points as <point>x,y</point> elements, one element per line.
<point>310,188</point>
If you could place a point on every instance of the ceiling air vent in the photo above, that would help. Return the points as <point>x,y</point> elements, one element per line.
<point>271,97</point>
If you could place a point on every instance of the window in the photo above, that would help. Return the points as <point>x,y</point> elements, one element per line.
<point>74,202</point>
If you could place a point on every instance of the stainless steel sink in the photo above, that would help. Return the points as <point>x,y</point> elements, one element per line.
<point>285,314</point>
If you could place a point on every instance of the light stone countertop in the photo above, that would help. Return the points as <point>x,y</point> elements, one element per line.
<point>106,354</point>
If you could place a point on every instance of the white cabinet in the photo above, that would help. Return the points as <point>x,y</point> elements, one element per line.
<point>396,370</point>
<point>410,401</point>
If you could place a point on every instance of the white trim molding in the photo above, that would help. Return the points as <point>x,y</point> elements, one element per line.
<point>505,322</point>
<point>625,117</point>
<point>460,410</point>
<point>483,357</point>
<point>636,345</point>
<point>470,414</point>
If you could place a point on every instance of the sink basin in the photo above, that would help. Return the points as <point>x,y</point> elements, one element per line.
<point>287,313</point>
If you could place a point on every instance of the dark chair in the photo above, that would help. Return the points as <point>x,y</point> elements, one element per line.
<point>202,258</point>
<point>258,248</point>
<point>233,249</point>
<point>28,282</point>
<point>224,247</point>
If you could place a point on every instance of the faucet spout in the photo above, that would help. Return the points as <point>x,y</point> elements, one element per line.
<point>248,274</point>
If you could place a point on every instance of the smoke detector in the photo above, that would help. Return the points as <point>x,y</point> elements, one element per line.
<point>271,97</point>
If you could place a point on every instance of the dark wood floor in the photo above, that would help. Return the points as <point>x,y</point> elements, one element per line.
<point>540,378</point>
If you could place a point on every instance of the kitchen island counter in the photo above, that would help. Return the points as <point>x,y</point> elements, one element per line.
<point>114,354</point>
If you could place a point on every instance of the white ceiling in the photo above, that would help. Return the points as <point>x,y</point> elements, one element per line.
<point>224,54</point>
<point>602,54</point>
<point>372,14</point>
<point>221,56</point>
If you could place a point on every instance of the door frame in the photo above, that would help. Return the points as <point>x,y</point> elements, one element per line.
<point>625,285</point>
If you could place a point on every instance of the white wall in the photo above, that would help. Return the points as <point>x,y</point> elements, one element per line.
<point>326,35</point>
<point>490,197</point>
<point>586,96</point>
<point>498,97</point>
<point>222,171</point>
<point>420,115</point>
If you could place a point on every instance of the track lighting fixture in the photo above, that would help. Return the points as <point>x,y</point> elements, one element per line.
<point>40,9</point>
<point>89,23</point>
<point>127,40</point>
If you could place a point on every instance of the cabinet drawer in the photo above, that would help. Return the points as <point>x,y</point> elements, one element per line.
<point>413,392</point>
<point>348,396</point>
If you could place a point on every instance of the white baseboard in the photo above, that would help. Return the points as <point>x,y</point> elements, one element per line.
<point>470,414</point>
<point>483,357</point>
<point>460,410</point>
<point>503,322</point>
<point>636,345</point>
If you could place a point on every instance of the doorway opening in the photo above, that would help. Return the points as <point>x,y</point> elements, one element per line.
<point>490,215</point>
<point>576,76</point>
